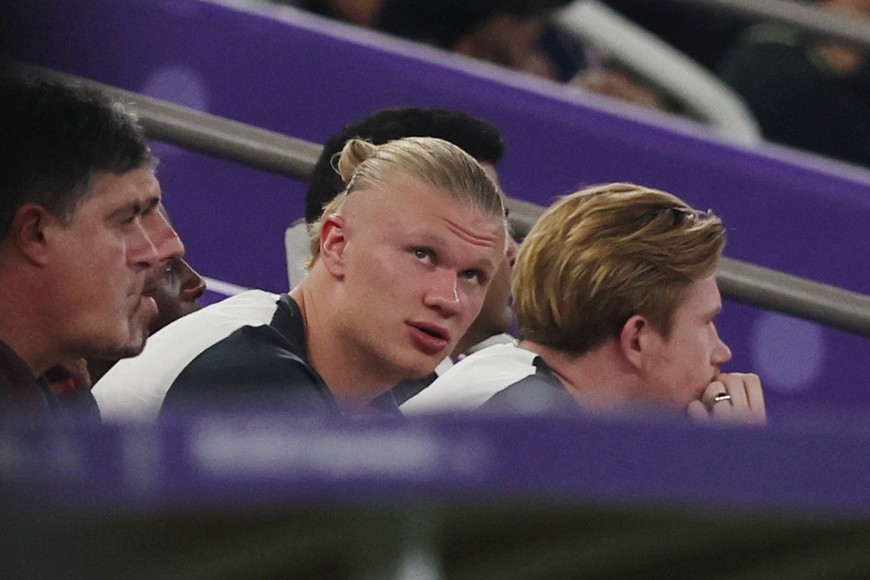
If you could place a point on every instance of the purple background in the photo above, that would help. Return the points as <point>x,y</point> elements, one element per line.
<point>294,73</point>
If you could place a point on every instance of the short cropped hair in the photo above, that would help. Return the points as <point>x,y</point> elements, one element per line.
<point>54,138</point>
<point>478,138</point>
<point>601,255</point>
<point>435,162</point>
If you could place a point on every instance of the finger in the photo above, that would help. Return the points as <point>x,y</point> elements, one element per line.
<point>754,391</point>
<point>734,386</point>
<point>756,398</point>
<point>698,412</point>
<point>713,391</point>
<point>747,396</point>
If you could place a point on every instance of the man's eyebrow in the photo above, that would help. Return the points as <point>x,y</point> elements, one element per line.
<point>136,207</point>
<point>132,208</point>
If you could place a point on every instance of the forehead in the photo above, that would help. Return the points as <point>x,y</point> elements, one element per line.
<point>405,204</point>
<point>113,190</point>
<point>702,298</point>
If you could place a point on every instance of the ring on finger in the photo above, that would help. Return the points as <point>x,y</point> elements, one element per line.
<point>721,397</point>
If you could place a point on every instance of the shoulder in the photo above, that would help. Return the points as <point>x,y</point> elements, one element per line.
<point>135,387</point>
<point>541,392</point>
<point>473,380</point>
<point>256,366</point>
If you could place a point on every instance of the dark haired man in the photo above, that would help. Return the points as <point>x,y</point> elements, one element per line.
<point>81,235</point>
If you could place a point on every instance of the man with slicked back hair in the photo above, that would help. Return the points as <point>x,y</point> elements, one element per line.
<point>402,259</point>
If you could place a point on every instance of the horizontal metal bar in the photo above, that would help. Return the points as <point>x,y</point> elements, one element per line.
<point>295,158</point>
<point>761,287</point>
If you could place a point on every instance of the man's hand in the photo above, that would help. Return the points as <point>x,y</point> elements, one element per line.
<point>731,398</point>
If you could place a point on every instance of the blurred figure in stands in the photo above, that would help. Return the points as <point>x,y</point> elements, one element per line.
<point>82,240</point>
<point>814,95</point>
<point>513,34</point>
<point>359,12</point>
<point>479,139</point>
<point>699,31</point>
<point>615,295</point>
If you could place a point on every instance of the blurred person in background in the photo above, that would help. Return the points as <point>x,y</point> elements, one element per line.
<point>809,94</point>
<point>513,34</point>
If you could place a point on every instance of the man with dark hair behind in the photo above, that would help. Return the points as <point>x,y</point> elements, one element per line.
<point>615,295</point>
<point>479,139</point>
<point>82,240</point>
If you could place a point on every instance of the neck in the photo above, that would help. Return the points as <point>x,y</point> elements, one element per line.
<point>16,337</point>
<point>599,380</point>
<point>351,377</point>
<point>20,326</point>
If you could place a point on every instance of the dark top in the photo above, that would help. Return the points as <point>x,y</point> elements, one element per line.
<point>263,366</point>
<point>541,392</point>
<point>22,393</point>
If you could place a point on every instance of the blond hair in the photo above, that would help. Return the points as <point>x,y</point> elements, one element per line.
<point>598,256</point>
<point>364,166</point>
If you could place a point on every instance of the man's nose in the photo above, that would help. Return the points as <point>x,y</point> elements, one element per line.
<point>158,242</point>
<point>721,353</point>
<point>443,293</point>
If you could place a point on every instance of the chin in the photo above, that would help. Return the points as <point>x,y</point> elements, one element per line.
<point>421,369</point>
<point>133,347</point>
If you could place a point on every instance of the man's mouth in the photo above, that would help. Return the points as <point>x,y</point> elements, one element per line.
<point>429,337</point>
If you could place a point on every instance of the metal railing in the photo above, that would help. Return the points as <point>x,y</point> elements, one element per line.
<point>701,93</point>
<point>295,158</point>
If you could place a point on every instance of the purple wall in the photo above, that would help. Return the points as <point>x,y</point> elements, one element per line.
<point>276,68</point>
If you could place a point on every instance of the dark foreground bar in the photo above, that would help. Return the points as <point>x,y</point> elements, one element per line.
<point>254,496</point>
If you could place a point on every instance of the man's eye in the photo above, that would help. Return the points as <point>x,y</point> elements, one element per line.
<point>473,275</point>
<point>422,254</point>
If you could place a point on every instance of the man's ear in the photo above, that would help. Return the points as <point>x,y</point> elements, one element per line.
<point>333,242</point>
<point>634,339</point>
<point>28,232</point>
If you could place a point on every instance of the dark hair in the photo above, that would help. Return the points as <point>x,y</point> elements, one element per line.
<point>478,138</point>
<point>54,137</point>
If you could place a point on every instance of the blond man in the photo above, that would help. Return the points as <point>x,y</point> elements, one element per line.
<point>615,297</point>
<point>402,262</point>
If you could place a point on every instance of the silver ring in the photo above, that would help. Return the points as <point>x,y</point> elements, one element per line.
<point>721,397</point>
